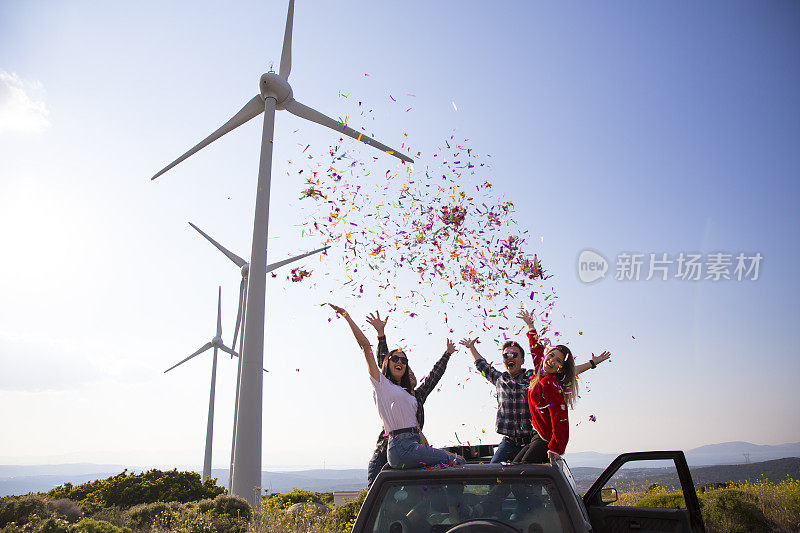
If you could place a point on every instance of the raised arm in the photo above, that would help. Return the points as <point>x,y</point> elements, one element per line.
<point>362,341</point>
<point>375,321</point>
<point>536,346</point>
<point>593,362</point>
<point>469,344</point>
<point>435,374</point>
<point>488,371</point>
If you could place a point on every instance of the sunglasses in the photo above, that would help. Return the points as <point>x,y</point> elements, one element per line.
<point>398,359</point>
<point>510,355</point>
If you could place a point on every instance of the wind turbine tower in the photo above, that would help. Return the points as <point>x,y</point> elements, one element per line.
<point>217,344</point>
<point>275,93</point>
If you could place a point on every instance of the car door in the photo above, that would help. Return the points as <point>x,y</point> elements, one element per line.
<point>607,518</point>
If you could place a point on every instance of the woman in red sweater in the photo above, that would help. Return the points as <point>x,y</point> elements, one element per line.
<point>551,392</point>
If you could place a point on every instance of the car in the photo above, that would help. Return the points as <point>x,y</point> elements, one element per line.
<point>478,497</point>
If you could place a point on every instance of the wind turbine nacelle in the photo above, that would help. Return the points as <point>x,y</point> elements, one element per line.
<point>217,341</point>
<point>245,270</point>
<point>272,85</point>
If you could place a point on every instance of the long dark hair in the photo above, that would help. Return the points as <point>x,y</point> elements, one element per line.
<point>565,376</point>
<point>405,380</point>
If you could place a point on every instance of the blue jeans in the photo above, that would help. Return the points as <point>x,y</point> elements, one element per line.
<point>506,451</point>
<point>405,451</point>
<point>377,462</point>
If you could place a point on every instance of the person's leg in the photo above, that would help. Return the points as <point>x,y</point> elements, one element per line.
<point>535,452</point>
<point>505,451</point>
<point>405,451</point>
<point>376,463</point>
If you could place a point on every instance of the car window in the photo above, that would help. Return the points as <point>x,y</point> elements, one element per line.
<point>435,507</point>
<point>647,484</point>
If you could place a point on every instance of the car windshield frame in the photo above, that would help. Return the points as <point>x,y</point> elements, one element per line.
<point>562,466</point>
<point>560,512</point>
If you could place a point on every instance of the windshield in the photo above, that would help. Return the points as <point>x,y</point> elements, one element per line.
<point>435,507</point>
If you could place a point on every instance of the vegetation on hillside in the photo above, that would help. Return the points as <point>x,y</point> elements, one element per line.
<point>160,502</point>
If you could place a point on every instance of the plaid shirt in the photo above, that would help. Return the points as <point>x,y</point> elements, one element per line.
<point>513,415</point>
<point>420,393</point>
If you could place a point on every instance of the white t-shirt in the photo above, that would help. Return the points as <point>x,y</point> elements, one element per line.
<point>396,407</point>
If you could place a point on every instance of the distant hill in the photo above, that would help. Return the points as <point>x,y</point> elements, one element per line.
<point>725,453</point>
<point>722,462</point>
<point>775,470</point>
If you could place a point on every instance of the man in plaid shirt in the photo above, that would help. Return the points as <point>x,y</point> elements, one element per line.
<point>513,417</point>
<point>379,458</point>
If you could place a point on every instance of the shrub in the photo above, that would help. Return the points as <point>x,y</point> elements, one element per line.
<point>342,518</point>
<point>670,500</point>
<point>22,509</point>
<point>66,508</point>
<point>143,516</point>
<point>126,490</point>
<point>284,501</point>
<point>90,525</point>
<point>735,511</point>
<point>231,506</point>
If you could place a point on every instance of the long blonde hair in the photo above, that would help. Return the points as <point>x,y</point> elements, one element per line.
<point>565,377</point>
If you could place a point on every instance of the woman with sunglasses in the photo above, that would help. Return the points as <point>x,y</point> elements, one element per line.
<point>397,406</point>
<point>379,459</point>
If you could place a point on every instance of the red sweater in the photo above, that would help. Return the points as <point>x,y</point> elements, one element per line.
<point>546,403</point>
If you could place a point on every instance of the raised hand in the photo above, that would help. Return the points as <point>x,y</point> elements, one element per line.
<point>600,358</point>
<point>526,317</point>
<point>451,347</point>
<point>375,321</point>
<point>469,343</point>
<point>339,310</point>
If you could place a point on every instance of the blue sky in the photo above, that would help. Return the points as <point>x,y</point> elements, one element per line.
<point>621,127</point>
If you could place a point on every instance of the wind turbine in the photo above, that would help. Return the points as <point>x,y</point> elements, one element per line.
<point>244,269</point>
<point>275,93</point>
<point>215,343</point>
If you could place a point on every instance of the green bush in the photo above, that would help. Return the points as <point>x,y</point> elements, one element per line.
<point>143,516</point>
<point>126,490</point>
<point>90,525</point>
<point>342,518</point>
<point>67,508</point>
<point>734,511</point>
<point>670,500</point>
<point>223,504</point>
<point>284,501</point>
<point>21,509</point>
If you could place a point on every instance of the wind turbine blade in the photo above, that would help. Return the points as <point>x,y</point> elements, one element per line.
<point>230,255</point>
<point>244,318</point>
<point>303,111</point>
<point>251,109</point>
<point>234,354</point>
<point>242,288</point>
<point>279,264</point>
<point>286,55</point>
<point>228,350</point>
<point>219,313</point>
<point>205,347</point>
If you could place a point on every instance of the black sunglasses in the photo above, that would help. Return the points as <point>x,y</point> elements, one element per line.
<point>510,355</point>
<point>398,358</point>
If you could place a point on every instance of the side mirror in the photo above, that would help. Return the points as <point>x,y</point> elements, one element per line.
<point>608,495</point>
